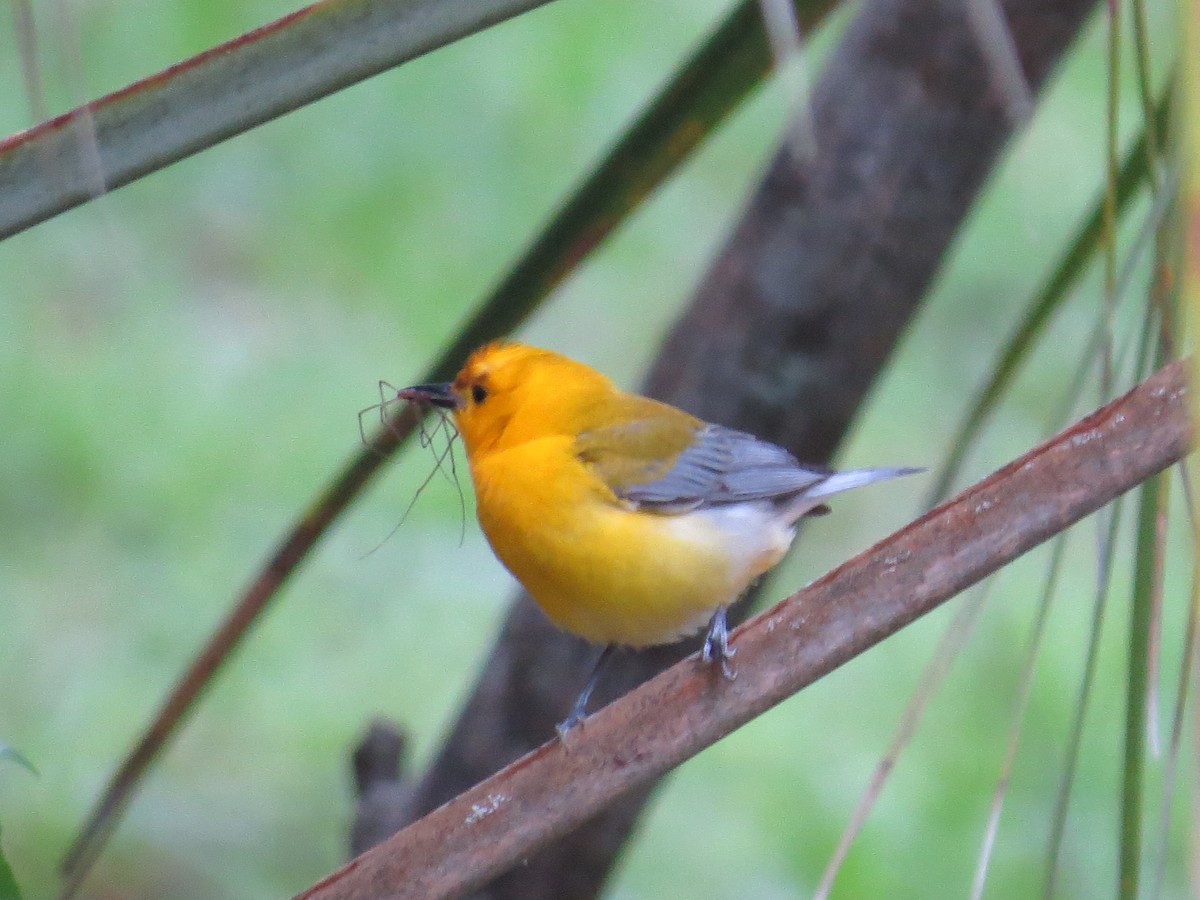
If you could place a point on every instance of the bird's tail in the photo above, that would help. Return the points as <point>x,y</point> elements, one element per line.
<point>811,501</point>
<point>856,478</point>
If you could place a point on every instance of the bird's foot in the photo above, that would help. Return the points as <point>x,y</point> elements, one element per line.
<point>579,710</point>
<point>716,645</point>
<point>569,724</point>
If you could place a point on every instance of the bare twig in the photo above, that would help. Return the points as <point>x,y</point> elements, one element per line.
<point>672,717</point>
<point>1024,691</point>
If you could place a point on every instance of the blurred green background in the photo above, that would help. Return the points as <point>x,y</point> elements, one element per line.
<point>181,367</point>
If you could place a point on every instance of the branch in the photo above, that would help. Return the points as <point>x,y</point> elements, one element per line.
<point>508,817</point>
<point>220,93</point>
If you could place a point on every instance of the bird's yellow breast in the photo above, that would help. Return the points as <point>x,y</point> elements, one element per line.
<point>597,567</point>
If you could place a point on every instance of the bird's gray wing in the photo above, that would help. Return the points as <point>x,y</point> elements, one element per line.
<point>724,466</point>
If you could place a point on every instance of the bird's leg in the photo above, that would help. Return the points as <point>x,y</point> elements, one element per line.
<point>579,710</point>
<point>716,644</point>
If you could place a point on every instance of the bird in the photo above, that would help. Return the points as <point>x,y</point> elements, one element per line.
<point>630,522</point>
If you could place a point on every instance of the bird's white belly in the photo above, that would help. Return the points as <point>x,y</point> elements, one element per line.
<point>753,538</point>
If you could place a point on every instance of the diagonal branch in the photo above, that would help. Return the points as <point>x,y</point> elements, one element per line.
<point>224,91</point>
<point>669,719</point>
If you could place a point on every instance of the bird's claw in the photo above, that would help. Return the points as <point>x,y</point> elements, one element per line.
<point>716,645</point>
<point>715,653</point>
<point>567,726</point>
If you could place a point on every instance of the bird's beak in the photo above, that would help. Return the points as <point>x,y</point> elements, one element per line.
<point>431,395</point>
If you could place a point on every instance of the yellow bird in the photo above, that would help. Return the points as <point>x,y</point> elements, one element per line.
<point>629,521</point>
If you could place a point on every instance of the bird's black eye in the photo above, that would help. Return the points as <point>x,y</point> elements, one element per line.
<point>478,393</point>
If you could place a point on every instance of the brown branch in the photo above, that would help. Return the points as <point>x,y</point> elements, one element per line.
<point>487,829</point>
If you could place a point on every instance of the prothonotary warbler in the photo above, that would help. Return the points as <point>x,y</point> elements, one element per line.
<point>629,521</point>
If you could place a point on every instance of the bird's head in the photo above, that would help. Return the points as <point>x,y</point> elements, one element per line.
<point>508,393</point>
